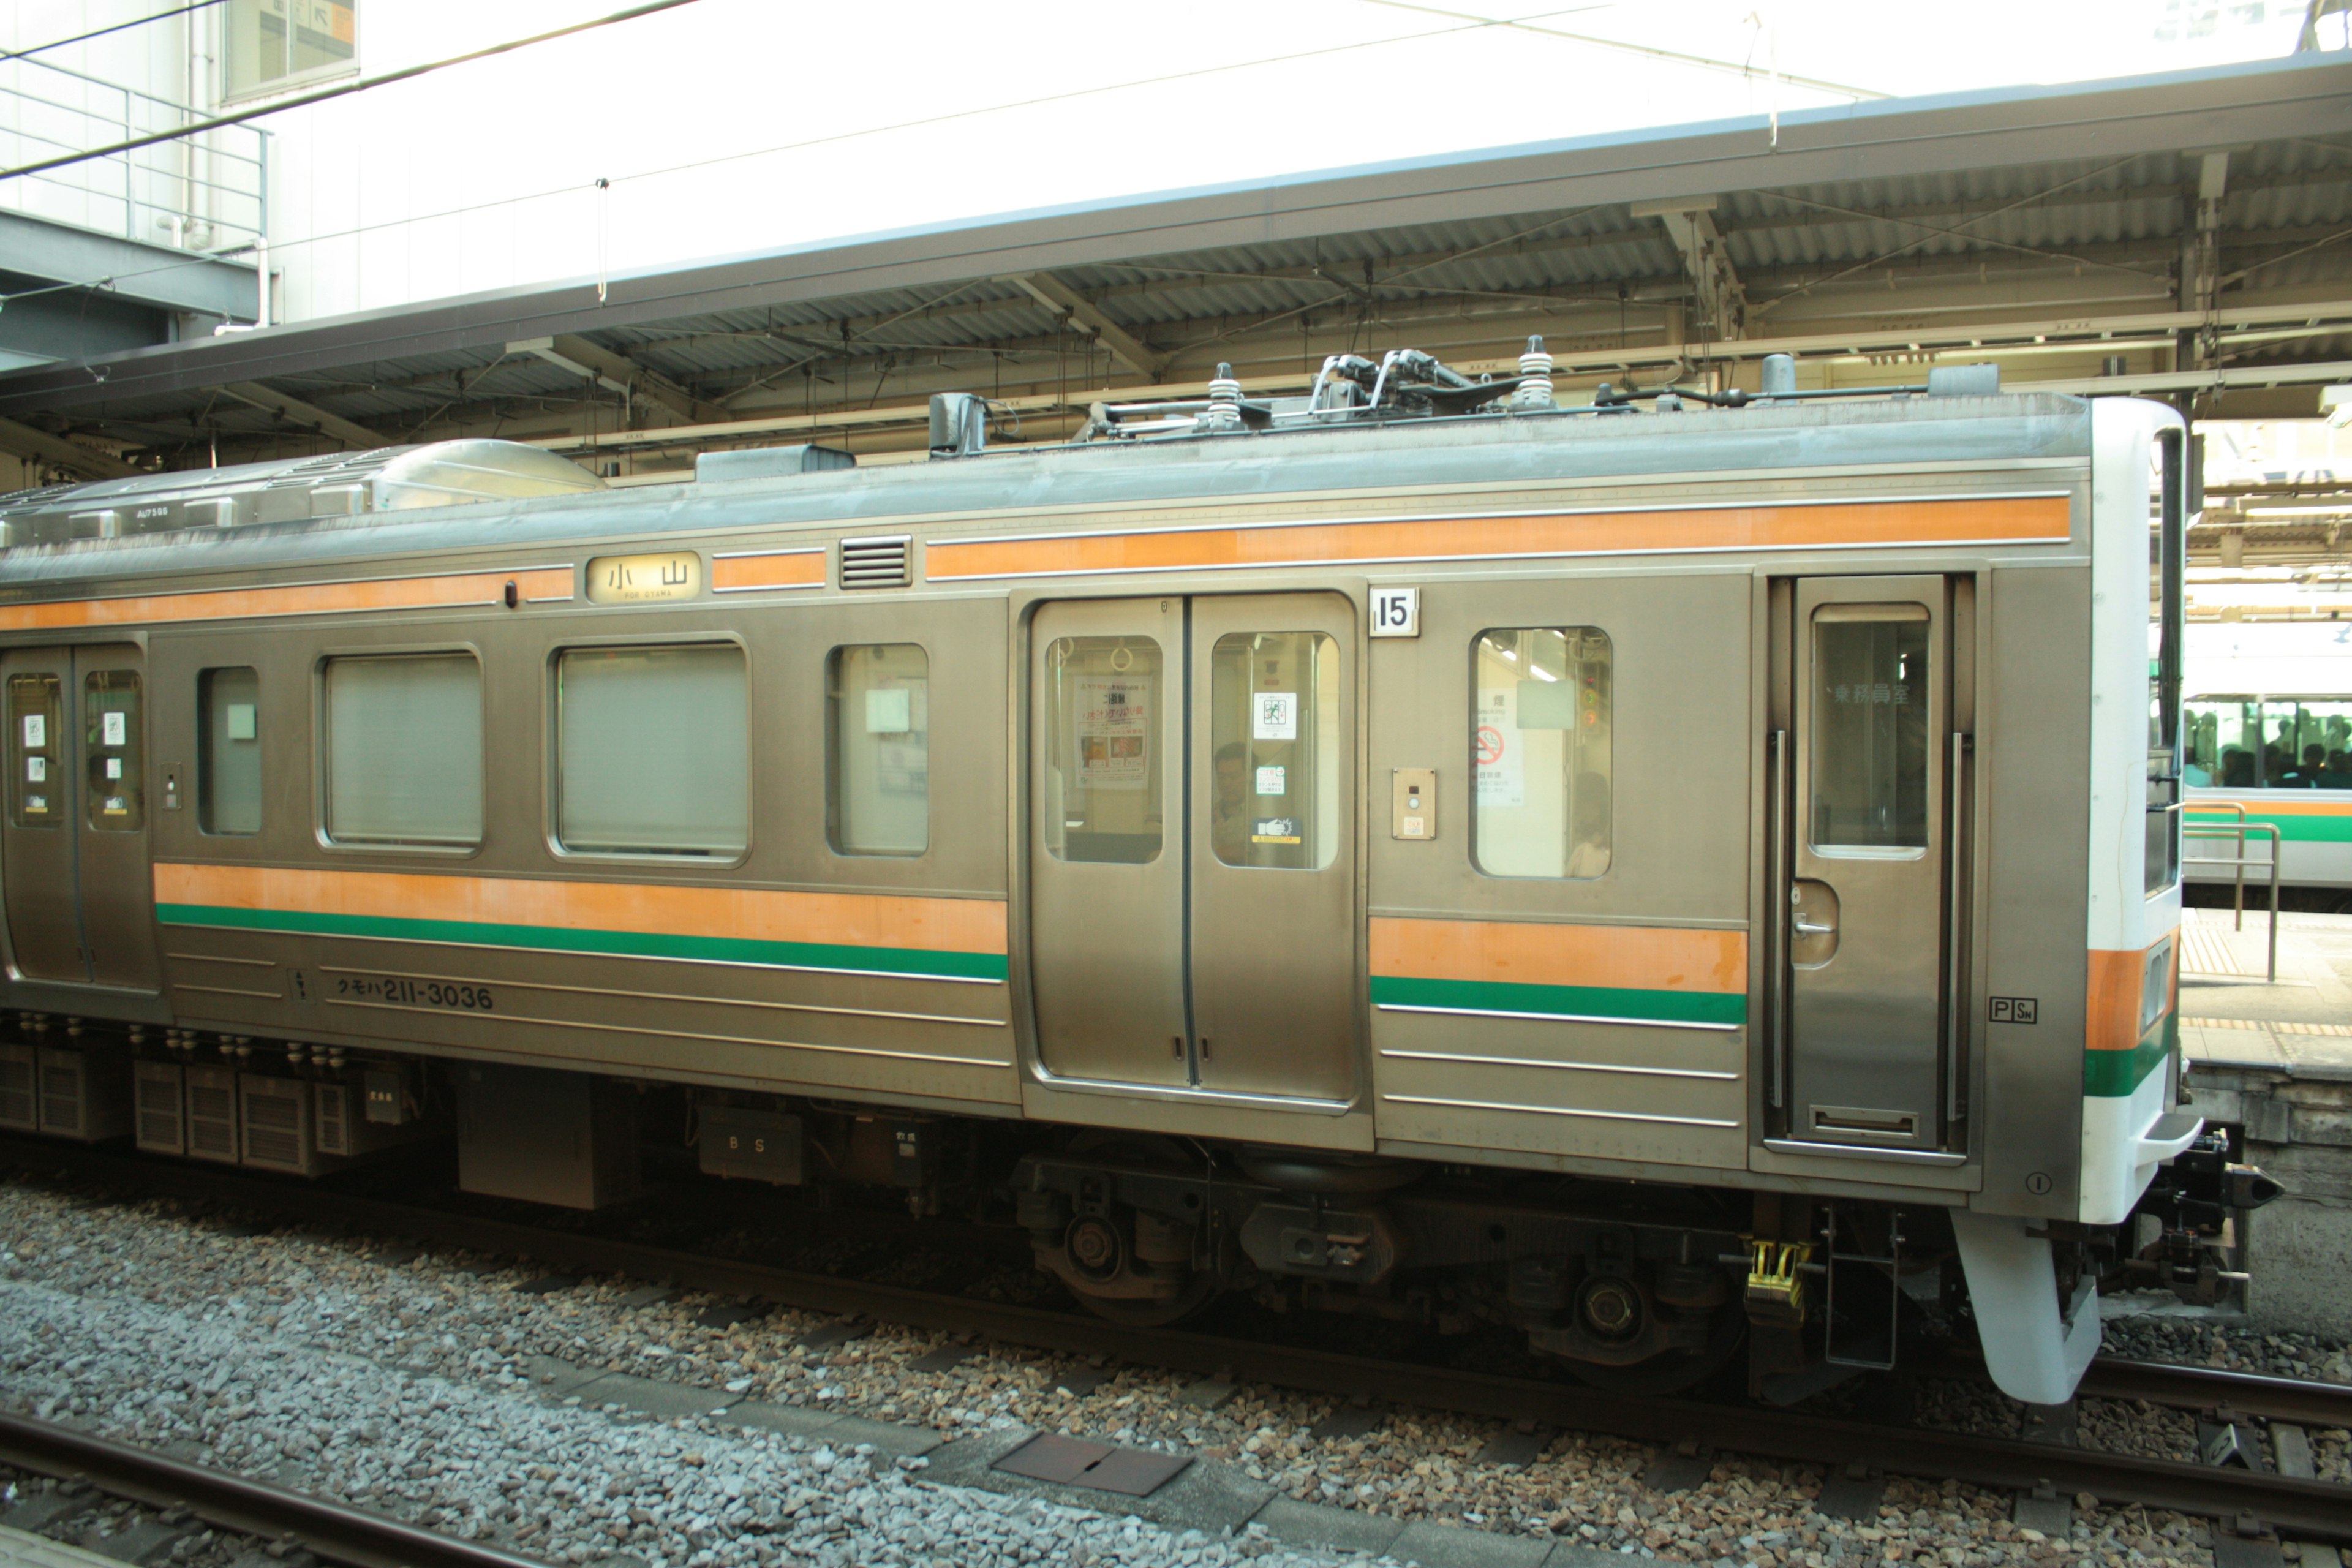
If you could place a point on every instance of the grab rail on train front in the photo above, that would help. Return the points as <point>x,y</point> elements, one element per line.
<point>2236,833</point>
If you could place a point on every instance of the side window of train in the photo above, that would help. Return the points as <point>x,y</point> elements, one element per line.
<point>2243,742</point>
<point>403,751</point>
<point>228,752</point>
<point>36,745</point>
<point>115,789</point>
<point>1539,740</point>
<point>653,750</point>
<point>879,766</point>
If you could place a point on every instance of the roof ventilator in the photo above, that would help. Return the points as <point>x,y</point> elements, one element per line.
<point>959,425</point>
<point>1780,376</point>
<point>769,462</point>
<point>878,563</point>
<point>1964,380</point>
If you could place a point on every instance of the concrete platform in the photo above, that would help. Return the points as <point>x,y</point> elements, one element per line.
<point>2275,1058</point>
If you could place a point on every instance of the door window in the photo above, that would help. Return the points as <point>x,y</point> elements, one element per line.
<point>404,751</point>
<point>228,752</point>
<point>116,794</point>
<point>1103,774</point>
<point>1870,728</point>
<point>1540,744</point>
<point>37,788</point>
<point>881,699</point>
<point>653,752</point>
<point>1274,741</point>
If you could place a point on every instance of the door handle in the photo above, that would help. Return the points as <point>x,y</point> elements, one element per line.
<point>1803,927</point>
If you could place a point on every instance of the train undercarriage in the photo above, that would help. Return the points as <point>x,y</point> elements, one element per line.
<point>1640,1288</point>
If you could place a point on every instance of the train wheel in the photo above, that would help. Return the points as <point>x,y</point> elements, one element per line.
<point>1150,1152</point>
<point>1672,1371</point>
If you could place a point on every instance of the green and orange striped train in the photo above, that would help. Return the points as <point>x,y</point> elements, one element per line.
<point>1679,880</point>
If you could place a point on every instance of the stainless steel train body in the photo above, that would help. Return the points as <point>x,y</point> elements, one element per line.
<point>1607,852</point>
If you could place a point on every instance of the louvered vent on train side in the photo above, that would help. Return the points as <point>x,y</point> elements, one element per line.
<point>20,1110</point>
<point>277,1113</point>
<point>212,1114</point>
<point>878,562</point>
<point>159,1096</point>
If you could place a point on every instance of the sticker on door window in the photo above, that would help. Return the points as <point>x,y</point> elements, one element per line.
<point>34,803</point>
<point>1273,781</point>
<point>1502,766</point>
<point>37,769</point>
<point>114,729</point>
<point>116,806</point>
<point>37,730</point>
<point>1275,831</point>
<point>114,767</point>
<point>1274,716</point>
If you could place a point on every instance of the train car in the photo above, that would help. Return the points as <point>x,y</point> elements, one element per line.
<point>1672,879</point>
<point>2267,741</point>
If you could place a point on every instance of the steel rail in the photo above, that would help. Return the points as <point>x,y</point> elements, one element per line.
<point>329,1529</point>
<point>2304,1509</point>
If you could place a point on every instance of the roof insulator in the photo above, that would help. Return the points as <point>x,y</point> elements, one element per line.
<point>958,423</point>
<point>1224,415</point>
<point>1535,391</point>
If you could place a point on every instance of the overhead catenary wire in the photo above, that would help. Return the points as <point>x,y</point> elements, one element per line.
<point>101,32</point>
<point>341,90</point>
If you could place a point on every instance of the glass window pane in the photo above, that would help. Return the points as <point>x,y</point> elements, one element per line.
<point>1103,772</point>
<point>654,751</point>
<point>228,752</point>
<point>404,750</point>
<point>1539,738</point>
<point>1870,730</point>
<point>1275,750</point>
<point>37,791</point>
<point>881,783</point>
<point>266,41</point>
<point>115,789</point>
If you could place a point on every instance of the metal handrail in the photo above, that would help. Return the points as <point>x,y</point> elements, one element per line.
<point>2238,834</point>
<point>2191,809</point>
<point>217,181</point>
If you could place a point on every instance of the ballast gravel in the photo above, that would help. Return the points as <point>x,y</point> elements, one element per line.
<point>408,1382</point>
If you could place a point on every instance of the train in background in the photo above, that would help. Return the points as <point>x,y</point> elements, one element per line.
<point>1683,881</point>
<point>2267,740</point>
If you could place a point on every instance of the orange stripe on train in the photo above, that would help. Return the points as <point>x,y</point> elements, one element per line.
<point>1996,520</point>
<point>1645,958</point>
<point>857,920</point>
<point>2112,1006</point>
<point>772,569</point>
<point>290,599</point>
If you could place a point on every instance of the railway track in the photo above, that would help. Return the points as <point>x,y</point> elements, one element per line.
<point>2296,1508</point>
<point>327,1531</point>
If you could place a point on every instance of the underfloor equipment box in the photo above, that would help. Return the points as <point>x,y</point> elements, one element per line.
<point>213,1132</point>
<point>546,1136</point>
<point>758,1146</point>
<point>159,1097</point>
<point>85,1090</point>
<point>20,1095</point>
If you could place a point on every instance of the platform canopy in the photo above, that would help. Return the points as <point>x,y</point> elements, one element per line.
<point>2187,236</point>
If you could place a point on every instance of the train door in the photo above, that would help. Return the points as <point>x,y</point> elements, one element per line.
<point>73,847</point>
<point>1192,852</point>
<point>1870,874</point>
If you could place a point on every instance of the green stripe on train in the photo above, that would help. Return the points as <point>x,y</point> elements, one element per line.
<point>2295,827</point>
<point>1616,1003</point>
<point>2111,1075</point>
<point>909,961</point>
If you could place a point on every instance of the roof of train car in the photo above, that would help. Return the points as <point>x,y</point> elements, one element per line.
<point>2102,175</point>
<point>1010,488</point>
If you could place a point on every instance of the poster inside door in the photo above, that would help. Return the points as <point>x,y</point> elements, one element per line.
<point>1114,714</point>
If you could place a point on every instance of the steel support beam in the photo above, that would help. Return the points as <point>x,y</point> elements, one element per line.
<point>618,373</point>
<point>1722,304</point>
<point>1087,317</point>
<point>24,441</point>
<point>153,275</point>
<point>309,416</point>
<point>2201,261</point>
